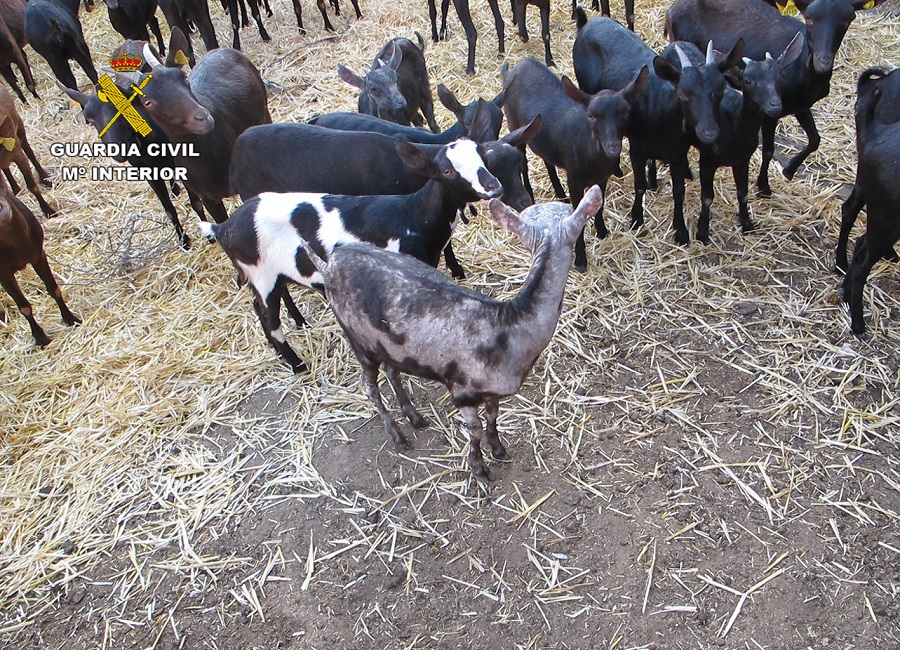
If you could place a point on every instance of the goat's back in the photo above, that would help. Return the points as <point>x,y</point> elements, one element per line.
<point>608,55</point>
<point>227,84</point>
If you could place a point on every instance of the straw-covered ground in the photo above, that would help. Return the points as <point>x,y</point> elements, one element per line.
<point>703,457</point>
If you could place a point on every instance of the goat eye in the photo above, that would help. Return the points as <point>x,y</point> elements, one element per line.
<point>148,103</point>
<point>448,171</point>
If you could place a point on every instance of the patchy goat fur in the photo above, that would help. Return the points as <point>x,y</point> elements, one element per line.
<point>401,315</point>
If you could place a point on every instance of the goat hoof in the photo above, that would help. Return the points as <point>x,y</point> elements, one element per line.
<point>682,238</point>
<point>46,182</point>
<point>480,472</point>
<point>418,421</point>
<point>747,228</point>
<point>300,368</point>
<point>500,453</point>
<point>42,340</point>
<point>581,268</point>
<point>551,63</point>
<point>764,191</point>
<point>402,444</point>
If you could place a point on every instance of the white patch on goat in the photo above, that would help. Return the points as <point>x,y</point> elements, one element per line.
<point>278,241</point>
<point>393,245</point>
<point>331,231</point>
<point>278,335</point>
<point>464,156</point>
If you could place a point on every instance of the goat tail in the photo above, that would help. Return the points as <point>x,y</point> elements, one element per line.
<point>208,230</point>
<point>317,261</point>
<point>421,41</point>
<point>580,18</point>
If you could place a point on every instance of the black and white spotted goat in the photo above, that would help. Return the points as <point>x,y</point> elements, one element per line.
<point>403,316</point>
<point>262,237</point>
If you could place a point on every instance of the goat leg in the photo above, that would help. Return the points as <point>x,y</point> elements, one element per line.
<point>808,124</point>
<point>8,280</point>
<point>476,433</point>
<point>499,26</point>
<point>415,418</point>
<point>849,212</point>
<point>677,171</point>
<point>491,411</point>
<point>271,322</point>
<point>10,77</point>
<point>159,188</point>
<point>741,175</point>
<point>13,185</point>
<point>453,265</point>
<point>707,194</point>
<point>639,169</point>
<point>768,152</point>
<point>370,385</point>
<point>42,268</point>
<point>545,34</point>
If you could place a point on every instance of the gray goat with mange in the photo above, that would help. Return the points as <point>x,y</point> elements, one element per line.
<point>878,151</point>
<point>402,315</point>
<point>262,237</point>
<point>22,243</point>
<point>397,85</point>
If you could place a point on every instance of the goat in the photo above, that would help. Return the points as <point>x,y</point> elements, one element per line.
<point>465,17</point>
<point>886,111</point>
<point>673,108</point>
<point>878,149</point>
<point>16,149</point>
<point>464,114</point>
<point>518,7</point>
<point>52,28</point>
<point>270,159</point>
<point>225,97</point>
<point>397,314</point>
<point>298,12</point>
<point>581,133</point>
<point>397,85</point>
<point>261,235</point>
<point>740,117</point>
<point>132,17</point>
<point>805,82</point>
<point>22,243</point>
<point>98,114</point>
<point>12,43</point>
<point>183,15</point>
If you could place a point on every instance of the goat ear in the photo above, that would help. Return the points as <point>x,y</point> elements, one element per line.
<point>500,99</point>
<point>589,205</point>
<point>481,123</point>
<point>666,71</point>
<point>412,156</point>
<point>75,95</point>
<point>350,77</point>
<point>506,217</point>
<point>865,4</point>
<point>792,51</point>
<point>631,91</point>
<point>8,131</point>
<point>574,92</point>
<point>524,133</point>
<point>450,102</point>
<point>734,57</point>
<point>178,44</point>
<point>802,5</point>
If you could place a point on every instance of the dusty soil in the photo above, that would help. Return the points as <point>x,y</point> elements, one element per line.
<point>704,457</point>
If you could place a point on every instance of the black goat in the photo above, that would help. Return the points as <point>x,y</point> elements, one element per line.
<point>268,159</point>
<point>603,7</point>
<point>261,235</point>
<point>232,7</point>
<point>465,17</point>
<point>766,30</point>
<point>187,14</point>
<point>878,150</point>
<point>397,85</point>
<point>740,116</point>
<point>886,111</point>
<point>581,133</point>
<point>674,107</point>
<point>12,44</point>
<point>464,114</point>
<point>225,97</point>
<point>54,31</point>
<point>298,12</point>
<point>132,17</point>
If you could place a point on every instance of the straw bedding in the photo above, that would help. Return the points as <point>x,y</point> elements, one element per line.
<point>146,436</point>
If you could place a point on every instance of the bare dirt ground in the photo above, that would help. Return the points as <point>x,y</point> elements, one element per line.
<point>704,457</point>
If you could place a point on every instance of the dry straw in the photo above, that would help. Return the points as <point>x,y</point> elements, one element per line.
<point>165,416</point>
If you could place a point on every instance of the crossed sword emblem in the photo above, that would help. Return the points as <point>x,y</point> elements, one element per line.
<point>110,93</point>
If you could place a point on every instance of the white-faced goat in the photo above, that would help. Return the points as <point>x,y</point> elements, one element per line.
<point>403,316</point>
<point>262,237</point>
<point>878,150</point>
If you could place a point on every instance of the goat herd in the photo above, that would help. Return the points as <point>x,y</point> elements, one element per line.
<point>329,203</point>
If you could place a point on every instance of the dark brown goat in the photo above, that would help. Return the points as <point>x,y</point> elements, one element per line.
<point>16,149</point>
<point>465,17</point>
<point>12,42</point>
<point>22,243</point>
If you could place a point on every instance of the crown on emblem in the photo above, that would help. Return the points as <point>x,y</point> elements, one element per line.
<point>126,62</point>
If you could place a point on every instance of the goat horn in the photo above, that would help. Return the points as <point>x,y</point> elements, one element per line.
<point>710,54</point>
<point>685,61</point>
<point>149,56</point>
<point>746,60</point>
<point>769,57</point>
